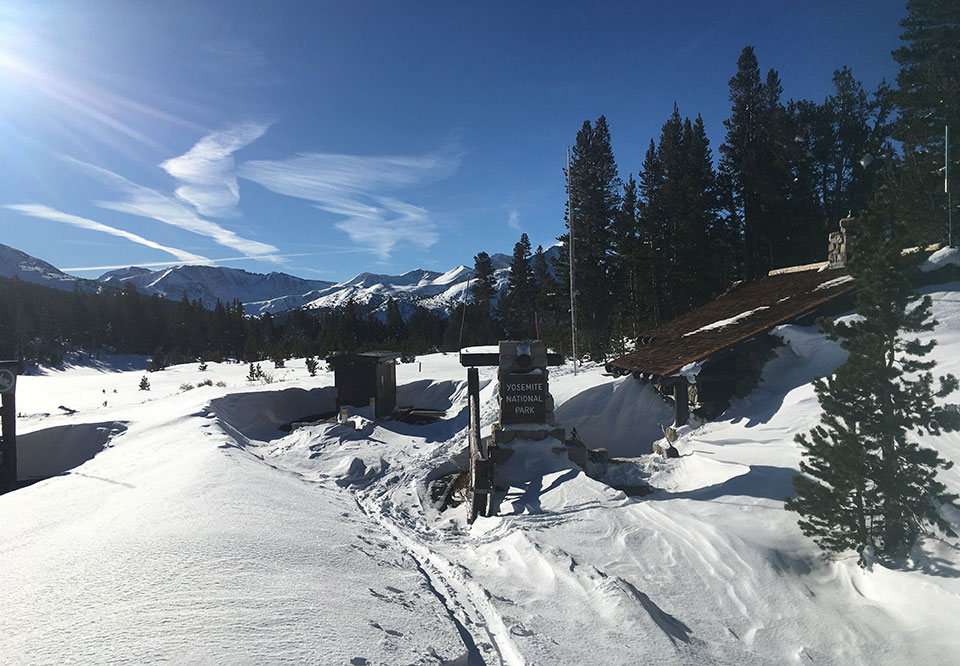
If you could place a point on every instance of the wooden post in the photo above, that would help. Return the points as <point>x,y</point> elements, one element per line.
<point>479,492</point>
<point>681,405</point>
<point>8,425</point>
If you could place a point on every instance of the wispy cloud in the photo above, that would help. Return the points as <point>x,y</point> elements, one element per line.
<point>357,188</point>
<point>207,169</point>
<point>513,221</point>
<point>47,213</point>
<point>146,202</point>
<point>165,264</point>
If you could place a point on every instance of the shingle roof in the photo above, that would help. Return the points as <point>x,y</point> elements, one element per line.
<point>739,314</point>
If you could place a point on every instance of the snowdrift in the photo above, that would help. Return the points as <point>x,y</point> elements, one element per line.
<point>45,453</point>
<point>622,415</point>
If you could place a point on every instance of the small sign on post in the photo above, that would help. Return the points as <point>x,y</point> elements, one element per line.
<point>8,380</point>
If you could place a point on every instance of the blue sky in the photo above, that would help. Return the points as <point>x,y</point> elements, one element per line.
<point>325,139</point>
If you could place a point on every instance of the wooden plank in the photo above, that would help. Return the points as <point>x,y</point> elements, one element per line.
<point>8,443</point>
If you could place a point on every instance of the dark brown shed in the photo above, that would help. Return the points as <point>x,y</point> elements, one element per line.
<point>741,313</point>
<point>360,377</point>
<point>728,336</point>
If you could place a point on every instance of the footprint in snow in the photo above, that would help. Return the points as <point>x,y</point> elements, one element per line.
<point>516,626</point>
<point>391,632</point>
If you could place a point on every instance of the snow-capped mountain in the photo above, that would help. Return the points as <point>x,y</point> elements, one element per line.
<point>213,283</point>
<point>430,289</point>
<point>273,292</point>
<point>370,291</point>
<point>30,269</point>
<point>279,292</point>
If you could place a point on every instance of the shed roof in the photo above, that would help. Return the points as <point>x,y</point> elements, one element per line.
<point>364,358</point>
<point>737,315</point>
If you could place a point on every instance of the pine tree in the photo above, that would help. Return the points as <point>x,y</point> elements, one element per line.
<point>847,126</point>
<point>483,289</point>
<point>394,324</point>
<point>158,361</point>
<point>928,99</point>
<point>631,287</point>
<point>593,189</point>
<point>518,303</point>
<point>698,218</point>
<point>868,485</point>
<point>484,284</point>
<point>549,303</point>
<point>670,206</point>
<point>651,212</point>
<point>677,218</point>
<point>741,157</point>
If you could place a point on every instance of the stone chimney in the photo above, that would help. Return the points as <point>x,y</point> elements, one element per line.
<point>840,244</point>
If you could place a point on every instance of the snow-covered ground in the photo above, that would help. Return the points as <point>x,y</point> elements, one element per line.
<point>202,533</point>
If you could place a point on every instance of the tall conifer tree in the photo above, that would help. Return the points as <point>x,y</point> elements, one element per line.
<point>594,194</point>
<point>741,157</point>
<point>518,304</point>
<point>928,99</point>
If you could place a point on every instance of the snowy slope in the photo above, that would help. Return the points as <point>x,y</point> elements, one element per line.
<point>279,292</point>
<point>212,283</point>
<point>204,533</point>
<point>271,292</point>
<point>30,269</point>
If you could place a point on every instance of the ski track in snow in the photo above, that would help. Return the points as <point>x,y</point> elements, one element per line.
<point>202,533</point>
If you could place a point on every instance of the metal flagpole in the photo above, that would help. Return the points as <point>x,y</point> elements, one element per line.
<point>573,312</point>
<point>946,183</point>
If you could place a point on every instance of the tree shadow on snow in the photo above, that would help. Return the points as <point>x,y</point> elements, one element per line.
<point>674,629</point>
<point>528,500</point>
<point>439,431</point>
<point>930,556</point>
<point>760,482</point>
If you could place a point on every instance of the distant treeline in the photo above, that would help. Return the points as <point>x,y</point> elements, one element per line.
<point>43,323</point>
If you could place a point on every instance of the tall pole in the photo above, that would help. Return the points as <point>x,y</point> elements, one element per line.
<point>8,442</point>
<point>946,183</point>
<point>573,311</point>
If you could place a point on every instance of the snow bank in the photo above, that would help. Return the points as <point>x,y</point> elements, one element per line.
<point>432,394</point>
<point>621,415</point>
<point>947,256</point>
<point>45,453</point>
<point>259,415</point>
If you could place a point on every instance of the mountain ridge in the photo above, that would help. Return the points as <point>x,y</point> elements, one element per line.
<point>274,292</point>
